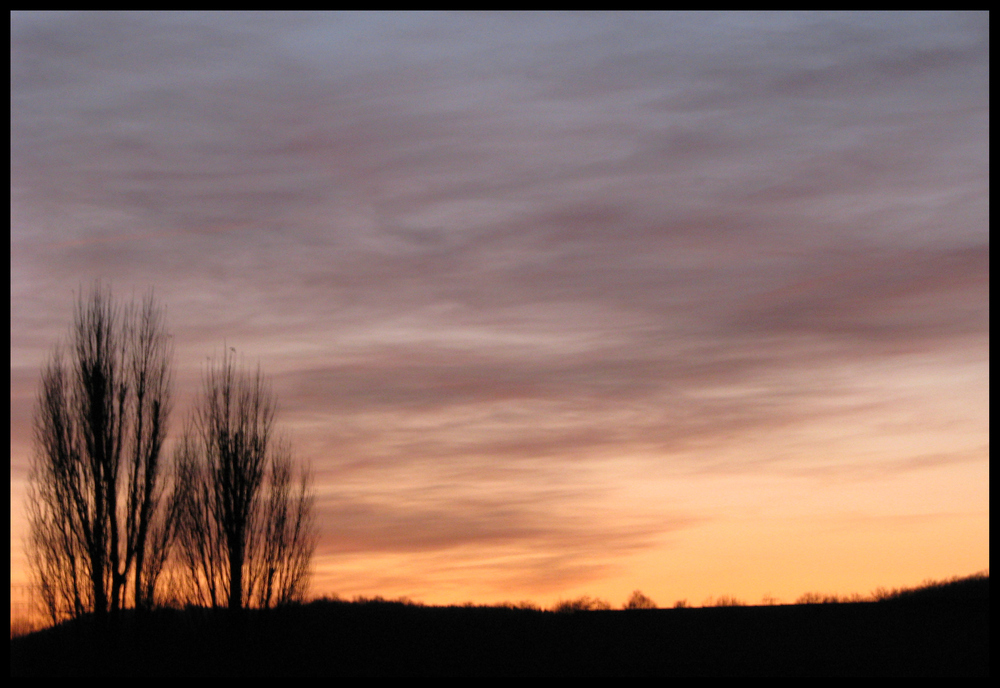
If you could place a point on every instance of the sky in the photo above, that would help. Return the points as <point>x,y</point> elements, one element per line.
<point>553,304</point>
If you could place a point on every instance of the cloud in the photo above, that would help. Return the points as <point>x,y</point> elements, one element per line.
<point>467,244</point>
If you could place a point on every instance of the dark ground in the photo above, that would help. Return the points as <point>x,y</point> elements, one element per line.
<point>944,635</point>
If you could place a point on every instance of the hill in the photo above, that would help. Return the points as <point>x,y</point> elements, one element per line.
<point>942,631</point>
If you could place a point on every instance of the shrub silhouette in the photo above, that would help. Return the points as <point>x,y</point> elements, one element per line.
<point>639,601</point>
<point>729,601</point>
<point>582,604</point>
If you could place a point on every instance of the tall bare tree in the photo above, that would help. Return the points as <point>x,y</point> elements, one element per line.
<point>94,490</point>
<point>245,535</point>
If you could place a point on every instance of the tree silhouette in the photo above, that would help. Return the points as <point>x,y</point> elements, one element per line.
<point>93,504</point>
<point>639,601</point>
<point>244,530</point>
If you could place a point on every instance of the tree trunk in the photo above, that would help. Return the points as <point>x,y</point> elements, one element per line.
<point>236,578</point>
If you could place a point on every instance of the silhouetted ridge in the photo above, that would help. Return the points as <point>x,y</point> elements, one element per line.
<point>942,630</point>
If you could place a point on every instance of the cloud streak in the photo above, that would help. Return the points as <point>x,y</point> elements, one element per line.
<point>464,244</point>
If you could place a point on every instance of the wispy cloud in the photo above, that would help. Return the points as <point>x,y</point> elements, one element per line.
<point>458,241</point>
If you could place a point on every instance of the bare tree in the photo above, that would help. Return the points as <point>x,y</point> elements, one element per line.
<point>200,544</point>
<point>245,535</point>
<point>94,489</point>
<point>282,570</point>
<point>149,529</point>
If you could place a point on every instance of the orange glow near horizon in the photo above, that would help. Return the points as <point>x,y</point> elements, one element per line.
<point>803,534</point>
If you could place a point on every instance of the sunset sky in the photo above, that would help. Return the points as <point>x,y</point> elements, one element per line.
<point>553,304</point>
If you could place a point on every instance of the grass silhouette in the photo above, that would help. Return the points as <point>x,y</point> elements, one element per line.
<point>936,629</point>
